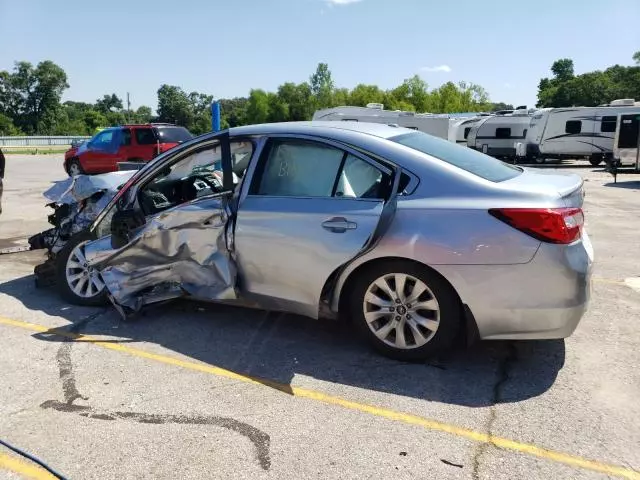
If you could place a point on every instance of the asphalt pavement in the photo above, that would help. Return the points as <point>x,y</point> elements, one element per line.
<point>192,390</point>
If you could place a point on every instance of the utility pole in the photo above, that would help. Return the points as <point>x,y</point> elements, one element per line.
<point>128,108</point>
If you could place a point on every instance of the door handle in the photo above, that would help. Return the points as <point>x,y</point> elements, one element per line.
<point>339,225</point>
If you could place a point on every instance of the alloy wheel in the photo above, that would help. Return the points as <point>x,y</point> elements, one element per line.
<point>401,310</point>
<point>83,280</point>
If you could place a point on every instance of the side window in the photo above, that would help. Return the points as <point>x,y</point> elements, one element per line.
<point>359,179</point>
<point>300,169</point>
<point>306,169</point>
<point>125,139</point>
<point>573,126</point>
<point>466,132</point>
<point>145,136</point>
<point>503,132</point>
<point>194,176</point>
<point>103,140</point>
<point>608,123</point>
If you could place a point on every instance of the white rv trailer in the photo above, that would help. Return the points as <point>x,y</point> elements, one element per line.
<point>459,129</point>
<point>626,145</point>
<point>436,125</point>
<point>497,135</point>
<point>573,132</point>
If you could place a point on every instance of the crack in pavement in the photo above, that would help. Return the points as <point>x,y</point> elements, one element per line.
<point>260,440</point>
<point>502,376</point>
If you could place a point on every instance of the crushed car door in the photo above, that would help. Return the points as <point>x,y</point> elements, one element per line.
<point>173,241</point>
<point>311,207</point>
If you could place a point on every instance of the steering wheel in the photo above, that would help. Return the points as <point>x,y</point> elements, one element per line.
<point>190,187</point>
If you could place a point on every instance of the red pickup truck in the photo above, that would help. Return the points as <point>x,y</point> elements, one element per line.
<point>126,143</point>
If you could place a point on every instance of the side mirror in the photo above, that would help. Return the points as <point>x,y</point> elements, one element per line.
<point>122,223</point>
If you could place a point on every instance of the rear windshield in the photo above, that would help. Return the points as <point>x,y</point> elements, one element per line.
<point>465,158</point>
<point>173,134</point>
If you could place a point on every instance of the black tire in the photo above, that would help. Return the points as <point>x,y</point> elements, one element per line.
<point>448,303</point>
<point>595,161</point>
<point>75,162</point>
<point>61,276</point>
<point>539,160</point>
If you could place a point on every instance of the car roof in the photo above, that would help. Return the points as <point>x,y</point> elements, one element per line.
<point>320,128</point>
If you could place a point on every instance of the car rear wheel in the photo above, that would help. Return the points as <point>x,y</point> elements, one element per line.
<point>74,168</point>
<point>595,161</point>
<point>78,283</point>
<point>405,311</point>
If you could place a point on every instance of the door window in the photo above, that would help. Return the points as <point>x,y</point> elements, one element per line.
<point>197,175</point>
<point>103,140</point>
<point>307,169</point>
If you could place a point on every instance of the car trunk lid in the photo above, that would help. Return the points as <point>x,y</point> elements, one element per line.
<point>568,186</point>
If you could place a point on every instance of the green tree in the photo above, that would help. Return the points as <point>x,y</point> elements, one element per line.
<point>363,94</point>
<point>109,103</point>
<point>278,108</point>
<point>299,99</point>
<point>322,86</point>
<point>174,106</point>
<point>562,69</point>
<point>233,111</point>
<point>94,119</point>
<point>636,57</point>
<point>31,96</point>
<point>7,127</point>
<point>142,114</point>
<point>258,106</point>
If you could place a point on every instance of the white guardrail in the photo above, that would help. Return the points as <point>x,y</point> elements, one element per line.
<point>41,141</point>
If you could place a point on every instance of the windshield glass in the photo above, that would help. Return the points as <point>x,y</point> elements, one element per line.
<point>465,158</point>
<point>173,134</point>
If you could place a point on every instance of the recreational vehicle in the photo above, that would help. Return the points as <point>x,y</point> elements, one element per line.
<point>459,129</point>
<point>573,132</point>
<point>436,125</point>
<point>497,135</point>
<point>626,146</point>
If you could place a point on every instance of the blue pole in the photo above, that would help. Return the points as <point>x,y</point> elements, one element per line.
<point>215,116</point>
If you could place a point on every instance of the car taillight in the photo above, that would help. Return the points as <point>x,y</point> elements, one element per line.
<point>553,225</point>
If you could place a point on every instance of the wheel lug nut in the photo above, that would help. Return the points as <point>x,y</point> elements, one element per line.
<point>391,309</point>
<point>398,318</point>
<point>397,300</point>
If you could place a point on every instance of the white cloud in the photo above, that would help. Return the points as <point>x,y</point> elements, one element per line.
<point>341,2</point>
<point>437,68</point>
<point>508,85</point>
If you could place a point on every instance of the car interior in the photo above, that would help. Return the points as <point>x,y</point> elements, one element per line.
<point>196,176</point>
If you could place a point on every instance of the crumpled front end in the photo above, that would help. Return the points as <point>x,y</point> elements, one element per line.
<point>76,202</point>
<point>181,252</point>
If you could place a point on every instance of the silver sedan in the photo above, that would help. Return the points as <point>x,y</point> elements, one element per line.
<point>414,239</point>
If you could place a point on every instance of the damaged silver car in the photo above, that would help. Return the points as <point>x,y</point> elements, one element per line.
<point>413,238</point>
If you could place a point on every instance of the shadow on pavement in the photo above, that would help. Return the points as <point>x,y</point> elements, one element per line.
<point>633,184</point>
<point>277,347</point>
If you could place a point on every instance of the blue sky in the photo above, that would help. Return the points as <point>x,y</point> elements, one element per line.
<point>227,48</point>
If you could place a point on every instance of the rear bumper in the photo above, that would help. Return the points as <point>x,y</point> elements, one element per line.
<point>543,299</point>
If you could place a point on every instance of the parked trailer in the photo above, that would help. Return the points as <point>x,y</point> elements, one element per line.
<point>436,125</point>
<point>497,135</point>
<point>573,132</point>
<point>626,146</point>
<point>459,129</point>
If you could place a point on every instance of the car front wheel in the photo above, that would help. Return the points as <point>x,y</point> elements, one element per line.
<point>405,311</point>
<point>77,281</point>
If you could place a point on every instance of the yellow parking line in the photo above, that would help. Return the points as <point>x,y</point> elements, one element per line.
<point>16,465</point>
<point>407,418</point>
